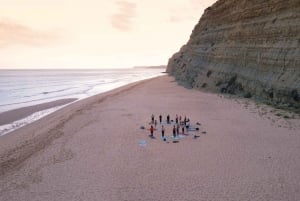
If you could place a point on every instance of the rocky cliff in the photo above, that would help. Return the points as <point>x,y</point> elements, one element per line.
<point>245,47</point>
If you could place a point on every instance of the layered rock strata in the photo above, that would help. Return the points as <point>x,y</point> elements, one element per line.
<point>245,47</point>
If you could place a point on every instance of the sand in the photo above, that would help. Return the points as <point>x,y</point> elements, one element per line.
<point>90,150</point>
<point>20,113</point>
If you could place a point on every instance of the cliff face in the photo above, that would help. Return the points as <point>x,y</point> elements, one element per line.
<point>245,47</point>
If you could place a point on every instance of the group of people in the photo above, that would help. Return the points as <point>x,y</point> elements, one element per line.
<point>179,123</point>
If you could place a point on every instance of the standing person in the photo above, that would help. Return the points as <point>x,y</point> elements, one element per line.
<point>176,119</point>
<point>177,129</point>
<point>183,130</point>
<point>163,132</point>
<point>152,119</point>
<point>168,119</point>
<point>160,118</point>
<point>151,131</point>
<point>155,123</point>
<point>180,119</point>
<point>174,132</point>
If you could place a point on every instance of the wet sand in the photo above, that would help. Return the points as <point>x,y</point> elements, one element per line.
<point>20,113</point>
<point>91,150</point>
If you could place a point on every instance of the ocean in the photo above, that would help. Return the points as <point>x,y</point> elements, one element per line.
<point>22,88</point>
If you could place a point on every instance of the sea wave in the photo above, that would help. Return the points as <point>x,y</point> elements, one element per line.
<point>7,128</point>
<point>27,88</point>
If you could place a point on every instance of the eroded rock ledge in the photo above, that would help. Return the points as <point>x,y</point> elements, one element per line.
<point>245,47</point>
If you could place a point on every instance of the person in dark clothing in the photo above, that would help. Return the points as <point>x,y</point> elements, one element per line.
<point>160,119</point>
<point>152,119</point>
<point>174,131</point>
<point>163,132</point>
<point>168,119</point>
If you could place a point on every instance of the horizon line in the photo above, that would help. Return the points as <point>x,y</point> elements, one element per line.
<point>108,68</point>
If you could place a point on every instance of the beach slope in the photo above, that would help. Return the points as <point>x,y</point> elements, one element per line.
<point>95,149</point>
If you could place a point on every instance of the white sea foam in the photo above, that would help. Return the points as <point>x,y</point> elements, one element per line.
<point>22,88</point>
<point>4,129</point>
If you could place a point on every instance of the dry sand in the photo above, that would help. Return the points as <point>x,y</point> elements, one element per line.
<point>90,150</point>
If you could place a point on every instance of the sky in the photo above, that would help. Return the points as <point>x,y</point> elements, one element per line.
<point>68,34</point>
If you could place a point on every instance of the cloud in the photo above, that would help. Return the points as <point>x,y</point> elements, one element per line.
<point>123,19</point>
<point>13,33</point>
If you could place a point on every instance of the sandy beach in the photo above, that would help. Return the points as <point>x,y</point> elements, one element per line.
<point>95,149</point>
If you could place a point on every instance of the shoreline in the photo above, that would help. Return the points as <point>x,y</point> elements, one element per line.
<point>14,115</point>
<point>10,116</point>
<point>15,148</point>
<point>93,146</point>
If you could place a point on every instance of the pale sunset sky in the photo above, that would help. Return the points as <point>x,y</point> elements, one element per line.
<point>57,34</point>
